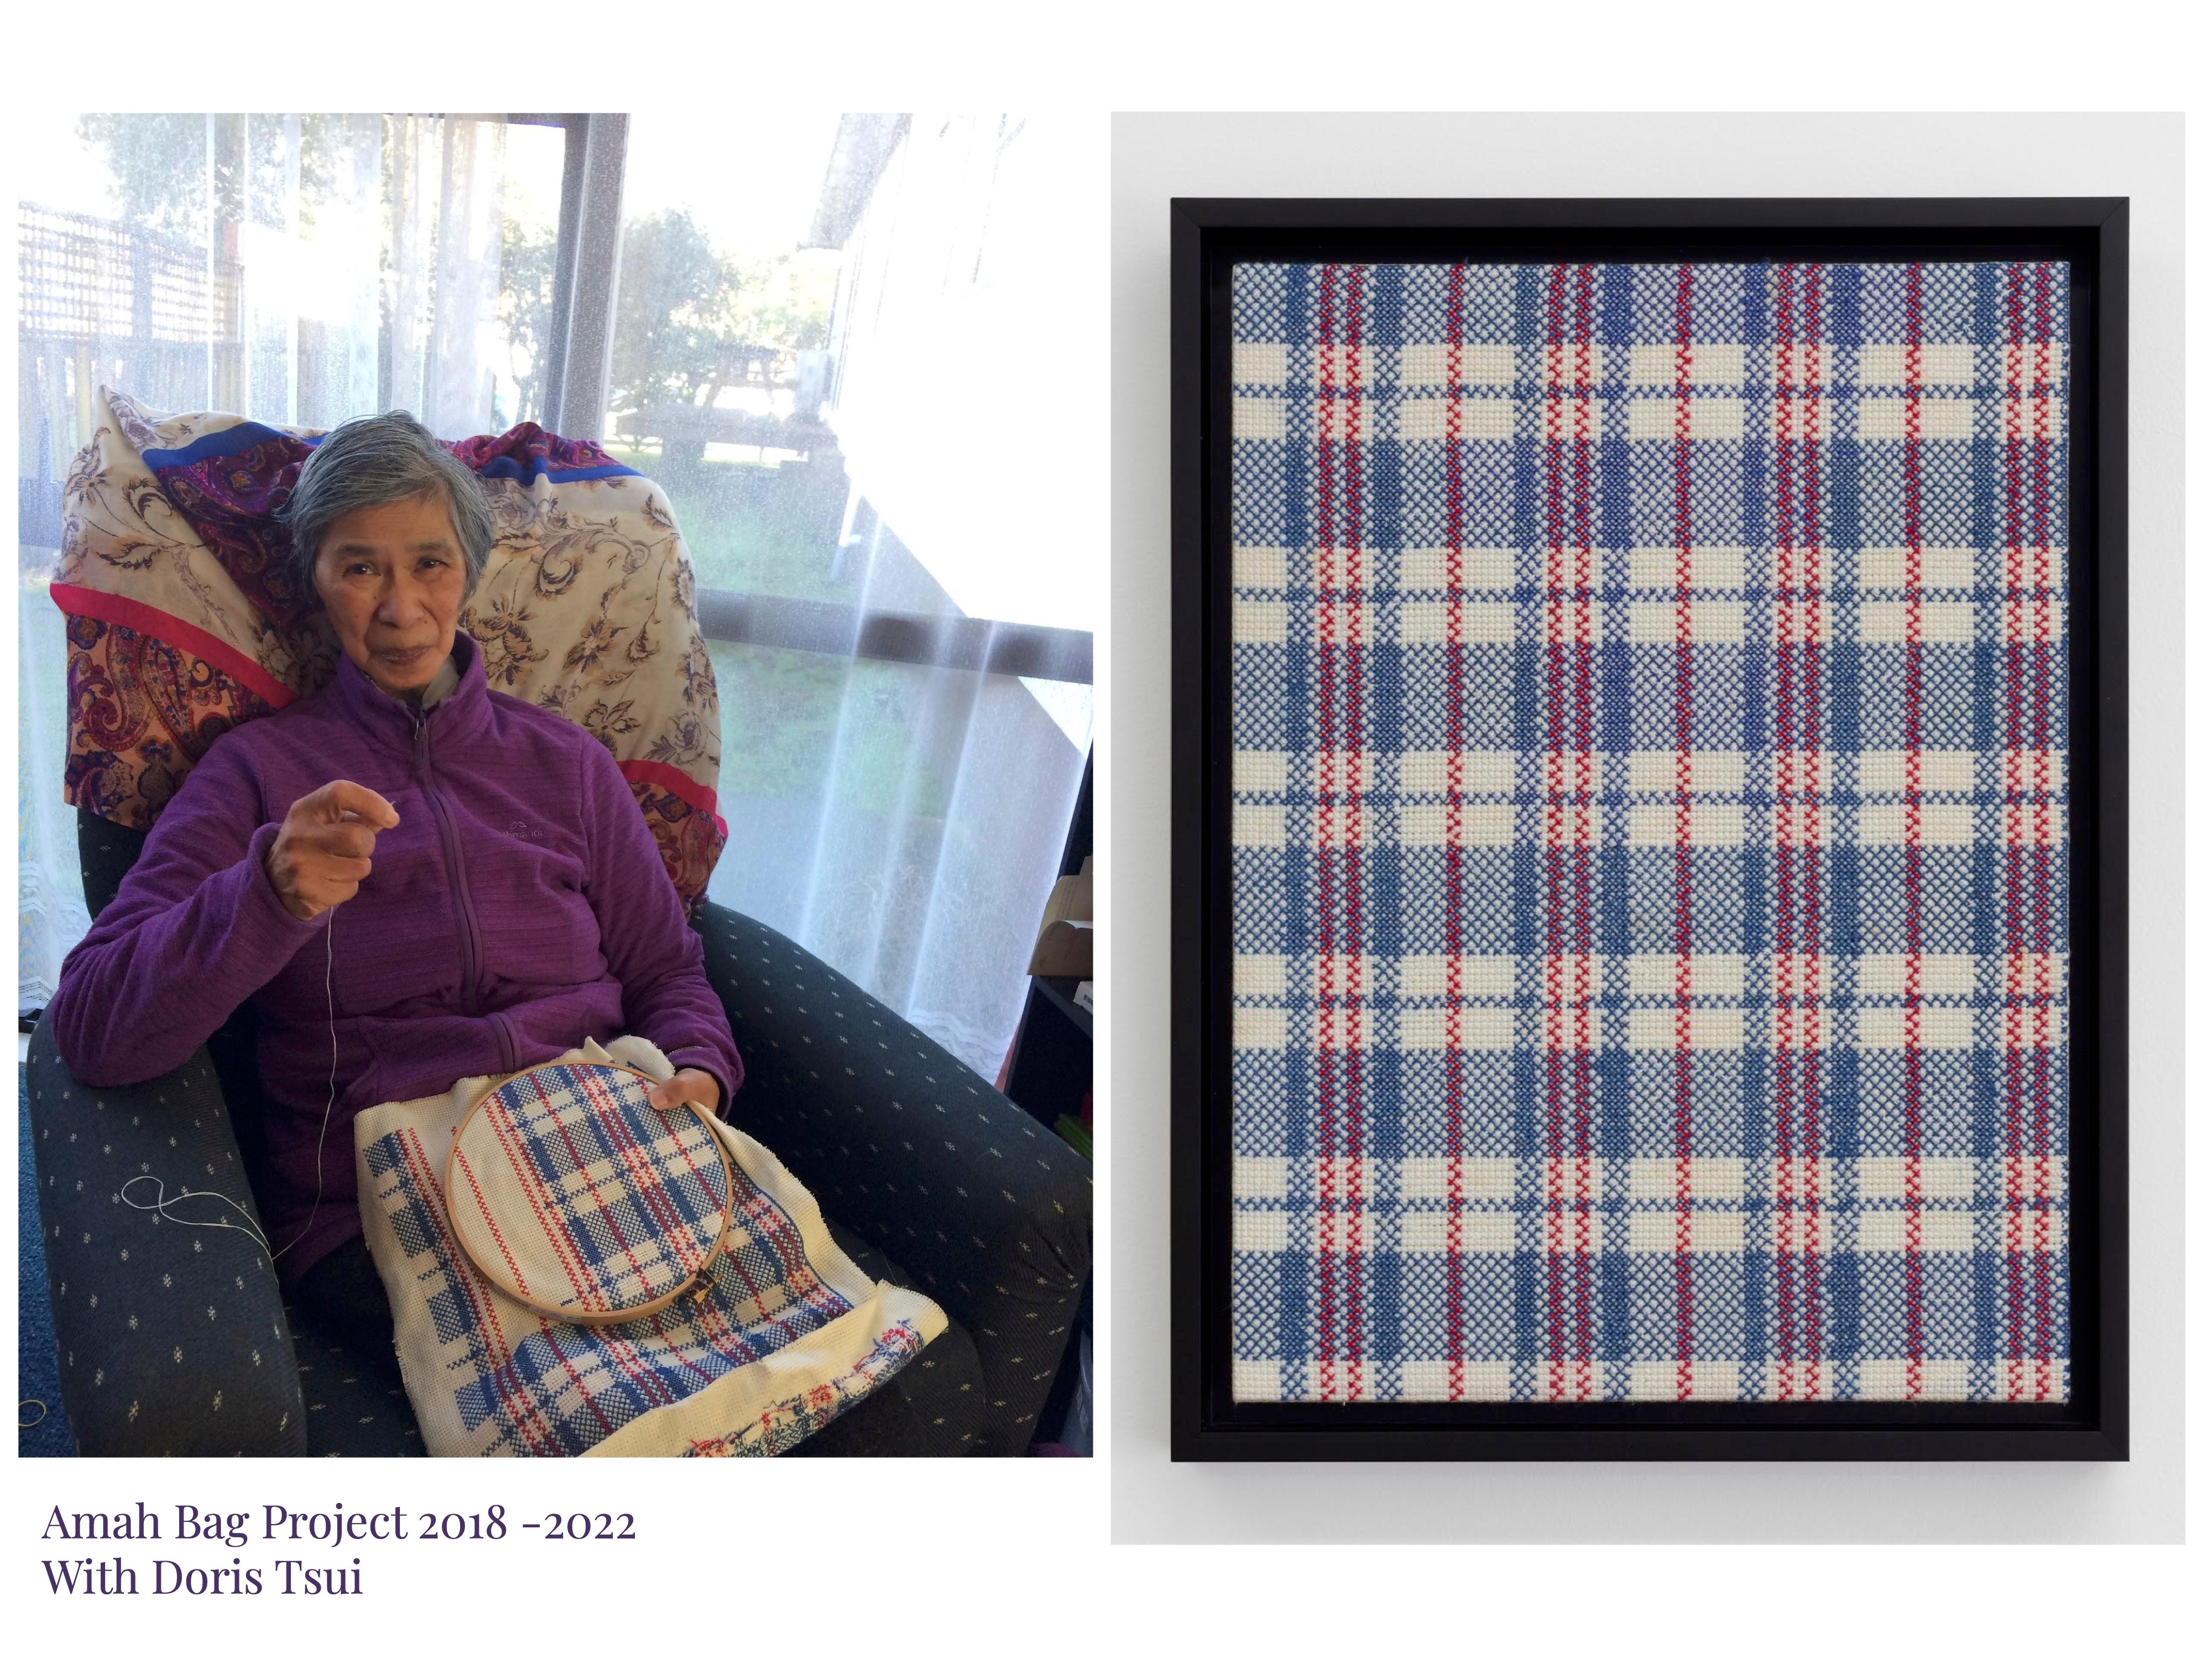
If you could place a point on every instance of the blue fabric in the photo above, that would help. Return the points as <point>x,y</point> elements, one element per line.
<point>37,1374</point>
<point>231,441</point>
<point>1650,821</point>
<point>508,467</point>
<point>171,1337</point>
<point>250,435</point>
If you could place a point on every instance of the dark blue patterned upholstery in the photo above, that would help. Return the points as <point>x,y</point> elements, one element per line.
<point>171,1339</point>
<point>989,1210</point>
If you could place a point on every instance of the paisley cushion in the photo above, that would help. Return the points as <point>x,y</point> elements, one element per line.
<point>186,617</point>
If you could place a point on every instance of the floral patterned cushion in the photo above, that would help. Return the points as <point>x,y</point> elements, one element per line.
<point>185,618</point>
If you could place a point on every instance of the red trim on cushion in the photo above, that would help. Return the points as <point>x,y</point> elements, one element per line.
<point>172,630</point>
<point>688,790</point>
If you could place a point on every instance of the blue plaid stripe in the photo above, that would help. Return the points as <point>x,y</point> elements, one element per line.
<point>1649,832</point>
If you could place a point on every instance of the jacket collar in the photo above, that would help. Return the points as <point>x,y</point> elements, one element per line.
<point>460,714</point>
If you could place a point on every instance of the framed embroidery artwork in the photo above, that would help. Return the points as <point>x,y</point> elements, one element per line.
<point>1650,903</point>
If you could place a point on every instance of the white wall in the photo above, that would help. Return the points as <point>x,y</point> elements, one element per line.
<point>1158,157</point>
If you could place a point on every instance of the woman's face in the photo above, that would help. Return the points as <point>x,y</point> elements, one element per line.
<point>392,578</point>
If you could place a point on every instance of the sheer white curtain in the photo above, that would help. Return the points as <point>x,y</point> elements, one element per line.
<point>911,835</point>
<point>912,838</point>
<point>297,269</point>
<point>49,895</point>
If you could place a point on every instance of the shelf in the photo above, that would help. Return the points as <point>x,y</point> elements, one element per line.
<point>1061,992</point>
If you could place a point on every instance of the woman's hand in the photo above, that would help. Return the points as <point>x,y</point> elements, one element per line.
<point>690,1084</point>
<point>322,851</point>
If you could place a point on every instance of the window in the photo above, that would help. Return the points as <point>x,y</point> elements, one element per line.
<point>835,348</point>
<point>297,269</point>
<point>832,340</point>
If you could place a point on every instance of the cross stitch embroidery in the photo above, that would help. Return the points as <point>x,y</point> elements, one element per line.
<point>1649,832</point>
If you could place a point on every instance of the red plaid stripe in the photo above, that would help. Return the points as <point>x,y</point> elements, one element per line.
<point>1570,480</point>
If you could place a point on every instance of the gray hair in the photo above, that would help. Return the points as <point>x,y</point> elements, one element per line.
<point>375,460</point>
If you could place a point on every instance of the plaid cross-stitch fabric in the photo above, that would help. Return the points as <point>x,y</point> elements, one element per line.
<point>786,1332</point>
<point>570,1182</point>
<point>1649,832</point>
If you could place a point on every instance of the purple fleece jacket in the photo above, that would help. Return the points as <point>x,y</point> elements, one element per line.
<point>518,908</point>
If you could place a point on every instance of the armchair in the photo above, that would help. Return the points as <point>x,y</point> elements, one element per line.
<point>174,1339</point>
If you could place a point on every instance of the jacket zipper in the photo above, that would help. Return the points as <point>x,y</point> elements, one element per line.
<point>450,836</point>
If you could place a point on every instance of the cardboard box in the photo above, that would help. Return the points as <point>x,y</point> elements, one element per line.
<point>1063,946</point>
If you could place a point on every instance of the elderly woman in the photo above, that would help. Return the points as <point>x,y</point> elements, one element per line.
<point>413,878</point>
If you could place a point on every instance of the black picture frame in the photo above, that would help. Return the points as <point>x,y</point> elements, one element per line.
<point>1209,236</point>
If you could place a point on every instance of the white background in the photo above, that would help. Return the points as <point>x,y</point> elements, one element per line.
<point>1158,157</point>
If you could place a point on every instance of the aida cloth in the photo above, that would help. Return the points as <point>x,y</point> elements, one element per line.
<point>1649,832</point>
<point>569,1187</point>
<point>789,1335</point>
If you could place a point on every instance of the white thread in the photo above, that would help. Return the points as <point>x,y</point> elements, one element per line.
<point>161,1201</point>
<point>160,1206</point>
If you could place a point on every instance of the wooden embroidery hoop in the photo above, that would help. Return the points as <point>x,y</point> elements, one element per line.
<point>695,1284</point>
